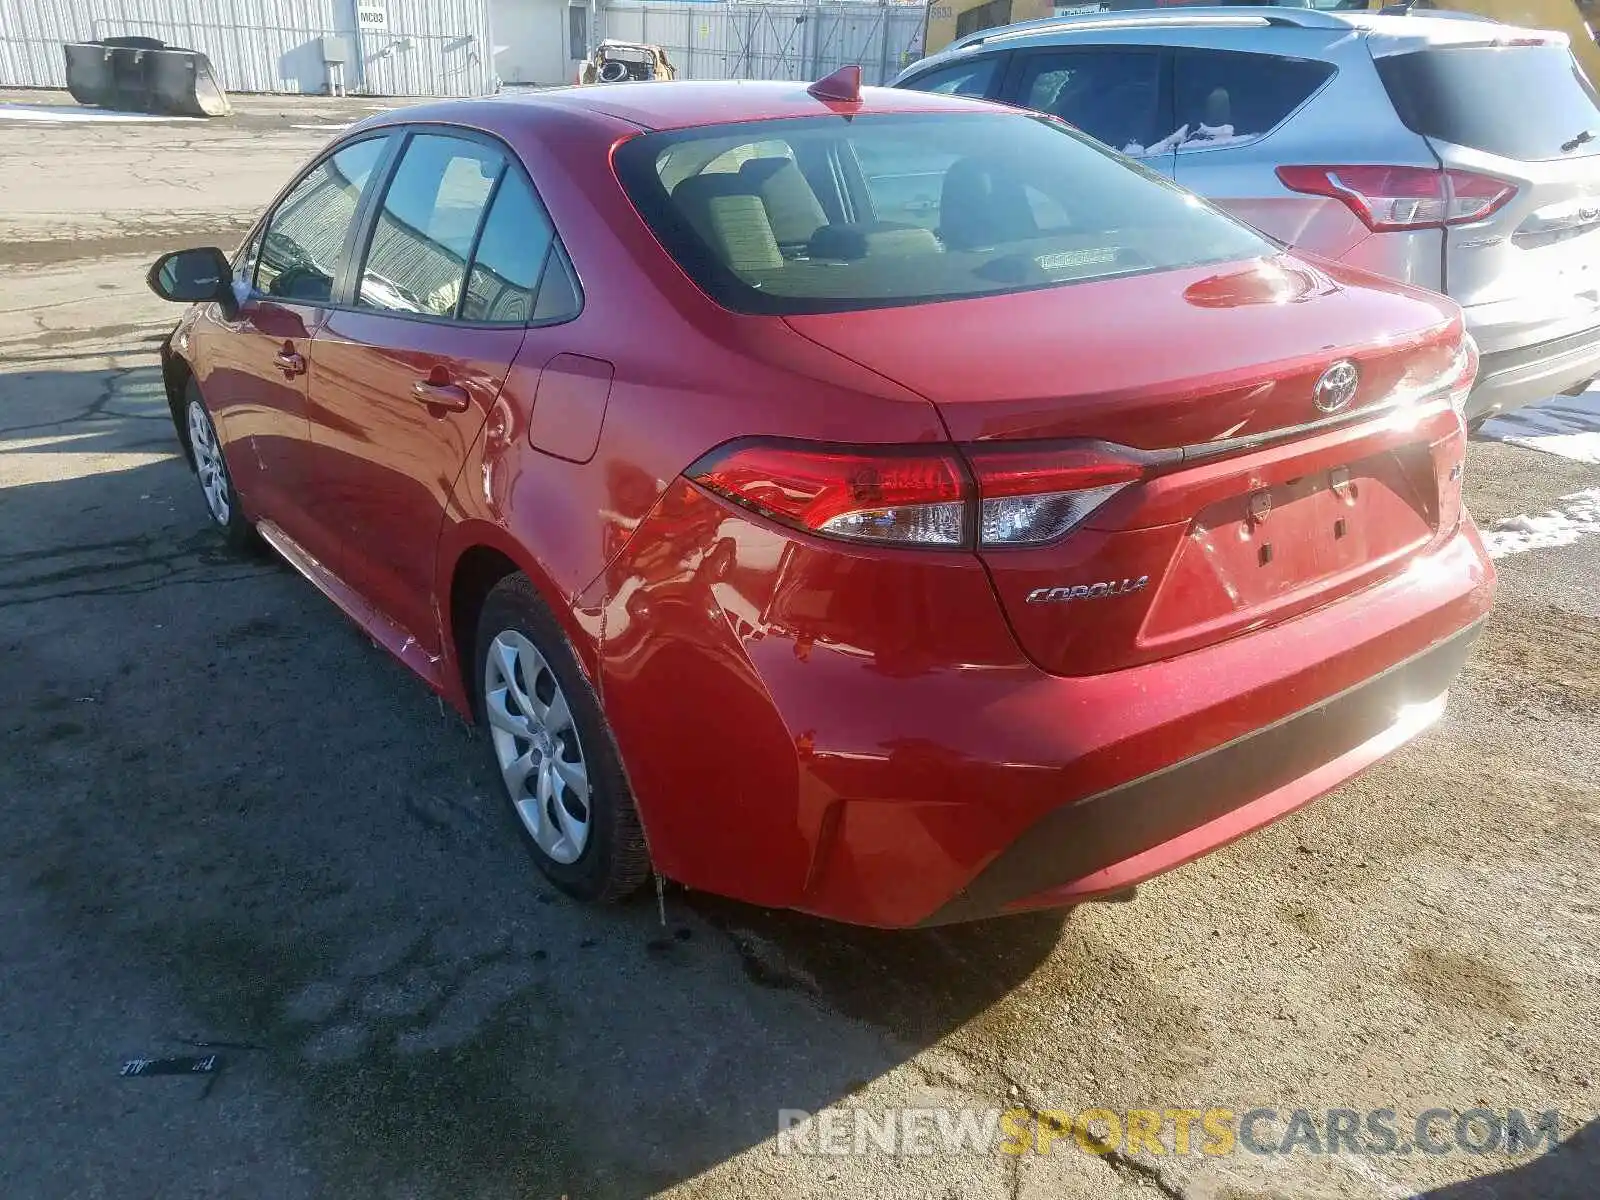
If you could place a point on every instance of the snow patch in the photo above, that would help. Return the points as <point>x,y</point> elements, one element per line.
<point>1578,516</point>
<point>1564,425</point>
<point>323,126</point>
<point>63,115</point>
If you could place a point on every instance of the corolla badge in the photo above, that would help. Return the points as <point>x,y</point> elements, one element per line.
<point>1088,591</point>
<point>1337,386</point>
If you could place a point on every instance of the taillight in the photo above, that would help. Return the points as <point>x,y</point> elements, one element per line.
<point>1424,381</point>
<point>918,496</point>
<point>1462,373</point>
<point>1387,198</point>
<point>913,495</point>
<point>1032,495</point>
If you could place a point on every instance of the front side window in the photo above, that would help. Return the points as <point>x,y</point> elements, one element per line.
<point>245,258</point>
<point>416,260</point>
<point>1112,95</point>
<point>1223,97</point>
<point>971,78</point>
<point>922,207</point>
<point>305,235</point>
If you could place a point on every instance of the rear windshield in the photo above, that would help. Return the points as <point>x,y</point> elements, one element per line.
<point>1522,102</point>
<point>831,213</point>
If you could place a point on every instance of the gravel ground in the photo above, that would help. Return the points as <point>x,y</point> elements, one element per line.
<point>228,817</point>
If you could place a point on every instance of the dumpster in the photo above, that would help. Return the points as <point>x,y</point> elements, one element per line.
<point>140,74</point>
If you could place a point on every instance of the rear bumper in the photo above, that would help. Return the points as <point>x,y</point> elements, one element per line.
<point>858,736</point>
<point>1102,845</point>
<point>1511,378</point>
<point>1057,790</point>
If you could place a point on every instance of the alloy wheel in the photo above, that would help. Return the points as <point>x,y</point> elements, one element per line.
<point>536,744</point>
<point>208,464</point>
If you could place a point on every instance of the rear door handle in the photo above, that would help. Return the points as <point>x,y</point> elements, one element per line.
<point>447,396</point>
<point>289,362</point>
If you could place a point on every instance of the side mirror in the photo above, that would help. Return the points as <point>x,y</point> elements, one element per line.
<point>192,276</point>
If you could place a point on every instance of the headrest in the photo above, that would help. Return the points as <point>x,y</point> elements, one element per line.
<point>1219,108</point>
<point>978,208</point>
<point>792,206</point>
<point>729,215</point>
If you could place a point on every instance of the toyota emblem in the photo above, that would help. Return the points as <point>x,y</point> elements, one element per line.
<point>1337,387</point>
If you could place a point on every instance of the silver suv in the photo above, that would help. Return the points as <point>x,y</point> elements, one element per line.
<point>1447,151</point>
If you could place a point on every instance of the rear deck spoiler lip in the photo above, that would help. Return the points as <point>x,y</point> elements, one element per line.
<point>1227,447</point>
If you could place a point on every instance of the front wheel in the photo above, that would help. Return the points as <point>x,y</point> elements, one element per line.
<point>216,484</point>
<point>552,750</point>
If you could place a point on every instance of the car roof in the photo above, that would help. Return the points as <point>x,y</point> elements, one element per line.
<point>1412,30</point>
<point>679,104</point>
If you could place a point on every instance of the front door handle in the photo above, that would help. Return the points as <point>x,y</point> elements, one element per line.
<point>289,362</point>
<point>446,396</point>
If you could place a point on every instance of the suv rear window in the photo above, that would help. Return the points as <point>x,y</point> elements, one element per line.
<point>1522,102</point>
<point>828,214</point>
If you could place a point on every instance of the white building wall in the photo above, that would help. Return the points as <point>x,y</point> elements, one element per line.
<point>737,39</point>
<point>427,47</point>
<point>720,39</point>
<point>531,41</point>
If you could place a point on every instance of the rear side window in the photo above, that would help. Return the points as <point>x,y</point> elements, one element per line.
<point>912,208</point>
<point>417,259</point>
<point>972,78</point>
<point>1522,102</point>
<point>1112,95</point>
<point>1223,97</point>
<point>511,255</point>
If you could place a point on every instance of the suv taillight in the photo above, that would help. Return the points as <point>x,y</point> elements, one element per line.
<point>1022,495</point>
<point>1387,198</point>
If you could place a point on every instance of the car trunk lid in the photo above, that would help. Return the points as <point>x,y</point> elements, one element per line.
<point>1247,503</point>
<point>1181,358</point>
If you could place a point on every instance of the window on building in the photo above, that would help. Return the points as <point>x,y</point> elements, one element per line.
<point>577,33</point>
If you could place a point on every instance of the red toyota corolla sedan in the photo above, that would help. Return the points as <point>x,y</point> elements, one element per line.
<point>883,504</point>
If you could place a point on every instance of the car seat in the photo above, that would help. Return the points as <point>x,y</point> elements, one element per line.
<point>729,215</point>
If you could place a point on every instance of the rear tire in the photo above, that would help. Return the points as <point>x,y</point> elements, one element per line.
<point>211,468</point>
<point>551,748</point>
